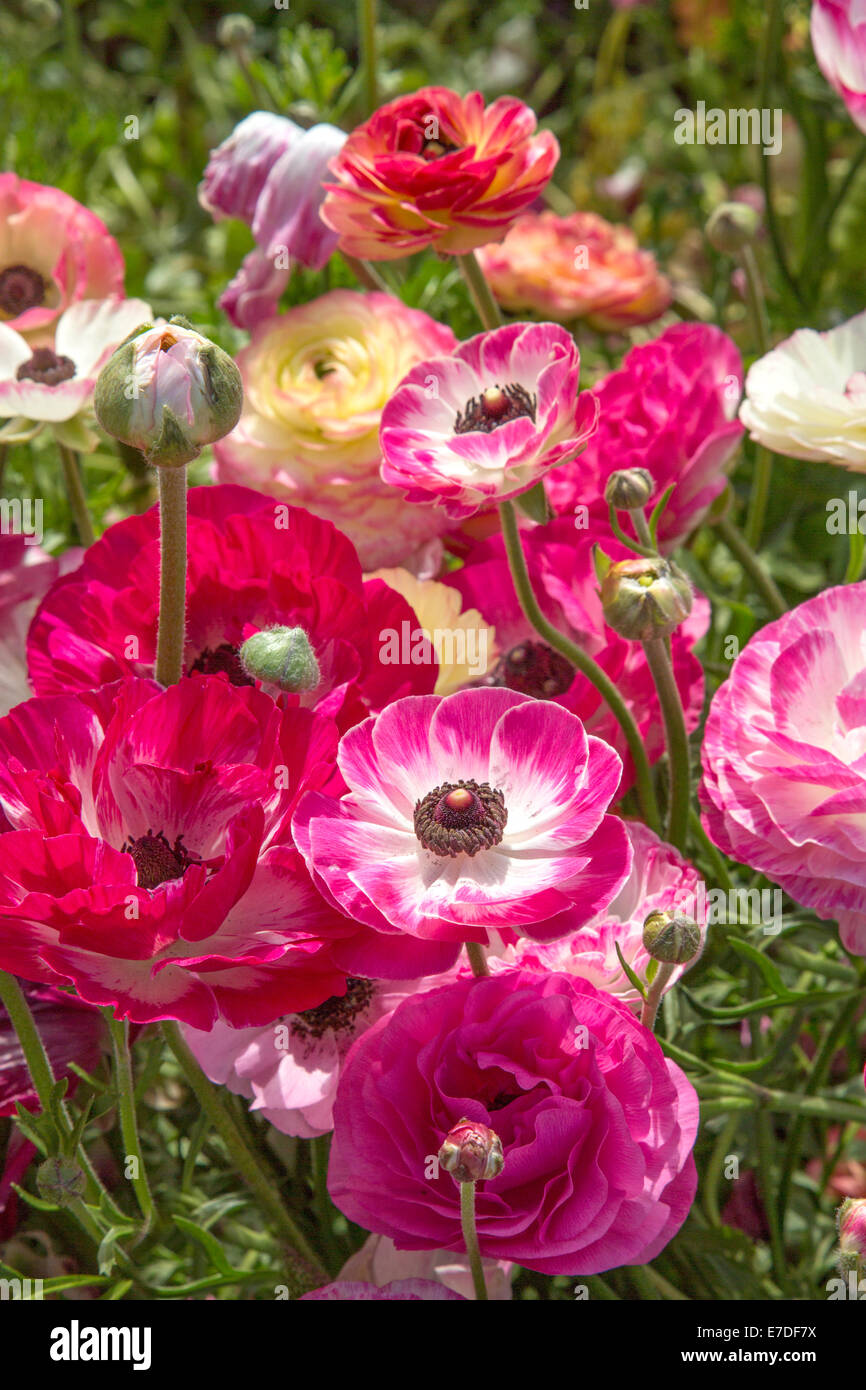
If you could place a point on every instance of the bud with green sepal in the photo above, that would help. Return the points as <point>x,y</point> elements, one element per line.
<point>61,1181</point>
<point>282,656</point>
<point>645,598</point>
<point>732,226</point>
<point>471,1152</point>
<point>671,937</point>
<point>629,488</point>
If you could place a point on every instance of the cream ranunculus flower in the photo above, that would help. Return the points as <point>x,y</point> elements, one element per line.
<point>464,644</point>
<point>807,398</point>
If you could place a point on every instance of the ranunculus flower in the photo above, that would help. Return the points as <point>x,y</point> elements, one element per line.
<point>252,564</point>
<point>480,809</point>
<point>839,41</point>
<point>149,862</point>
<point>576,267</point>
<point>596,1124</point>
<point>660,879</point>
<point>398,1291</point>
<point>269,174</point>
<point>436,169</point>
<point>487,422</point>
<point>316,380</point>
<point>670,408</point>
<point>290,1068</point>
<point>379,1262</point>
<point>559,560</point>
<point>53,252</point>
<point>26,574</point>
<point>784,787</point>
<point>51,385</point>
<point>807,397</point>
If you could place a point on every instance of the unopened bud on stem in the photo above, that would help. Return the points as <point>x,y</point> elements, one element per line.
<point>671,937</point>
<point>471,1152</point>
<point>629,488</point>
<point>283,656</point>
<point>645,598</point>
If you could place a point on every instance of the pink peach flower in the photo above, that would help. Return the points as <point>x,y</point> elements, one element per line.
<point>839,41</point>
<point>487,422</point>
<point>53,252</point>
<point>436,169</point>
<point>784,787</point>
<point>577,267</point>
<point>468,811</point>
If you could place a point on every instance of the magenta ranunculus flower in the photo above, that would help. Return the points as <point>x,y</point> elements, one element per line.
<point>53,252</point>
<point>839,41</point>
<point>487,422</point>
<point>596,1125</point>
<point>480,809</point>
<point>436,169</point>
<point>784,787</point>
<point>269,174</point>
<point>671,408</point>
<point>559,559</point>
<point>253,563</point>
<point>149,862</point>
<point>26,574</point>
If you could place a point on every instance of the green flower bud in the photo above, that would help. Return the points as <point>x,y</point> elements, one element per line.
<point>283,656</point>
<point>235,30</point>
<point>731,227</point>
<point>645,598</point>
<point>671,937</point>
<point>471,1152</point>
<point>168,391</point>
<point>629,488</point>
<point>61,1181</point>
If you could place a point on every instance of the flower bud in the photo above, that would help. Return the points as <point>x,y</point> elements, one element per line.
<point>629,488</point>
<point>471,1152</point>
<point>168,391</point>
<point>645,598</point>
<point>61,1181</point>
<point>851,1223</point>
<point>731,227</point>
<point>671,937</point>
<point>235,30</point>
<point>283,656</point>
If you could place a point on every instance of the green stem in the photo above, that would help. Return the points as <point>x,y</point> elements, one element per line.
<point>470,1239</point>
<point>757,308</point>
<point>482,295</point>
<point>720,868</point>
<point>611,49</point>
<point>650,1006</point>
<point>119,1031</point>
<point>242,1157</point>
<point>366,274</point>
<point>772,46</point>
<point>751,563</point>
<point>676,739</point>
<point>367,36</point>
<point>172,575</point>
<point>71,465</point>
<point>580,659</point>
<point>713,1175</point>
<point>477,959</point>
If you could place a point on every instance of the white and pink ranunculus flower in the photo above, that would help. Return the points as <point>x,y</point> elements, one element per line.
<point>807,397</point>
<point>480,809</point>
<point>784,756</point>
<point>52,384</point>
<point>839,41</point>
<point>484,424</point>
<point>660,879</point>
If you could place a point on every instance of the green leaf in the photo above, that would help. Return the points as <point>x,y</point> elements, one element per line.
<point>768,970</point>
<point>218,1257</point>
<point>106,1255</point>
<point>632,978</point>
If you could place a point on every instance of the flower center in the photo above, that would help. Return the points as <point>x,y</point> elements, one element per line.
<point>533,668</point>
<point>225,659</point>
<point>495,406</point>
<point>338,1013</point>
<point>20,288</point>
<point>46,367</point>
<point>156,861</point>
<point>460,818</point>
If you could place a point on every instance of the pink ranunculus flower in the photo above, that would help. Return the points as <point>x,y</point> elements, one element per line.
<point>660,879</point>
<point>26,574</point>
<point>576,267</point>
<point>379,1262</point>
<point>316,380</point>
<point>784,786</point>
<point>53,252</point>
<point>670,408</point>
<point>596,1125</point>
<point>468,811</point>
<point>560,564</point>
<point>149,862</point>
<point>436,169</point>
<point>253,563</point>
<point>398,1291</point>
<point>839,41</point>
<point>269,174</point>
<point>486,423</point>
<point>290,1068</point>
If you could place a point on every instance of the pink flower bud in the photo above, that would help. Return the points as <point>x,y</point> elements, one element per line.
<point>471,1152</point>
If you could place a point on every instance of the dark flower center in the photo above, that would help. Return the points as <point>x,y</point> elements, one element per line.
<point>532,668</point>
<point>45,366</point>
<point>156,861</point>
<point>460,818</point>
<point>495,406</point>
<point>20,288</point>
<point>225,659</point>
<point>338,1013</point>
